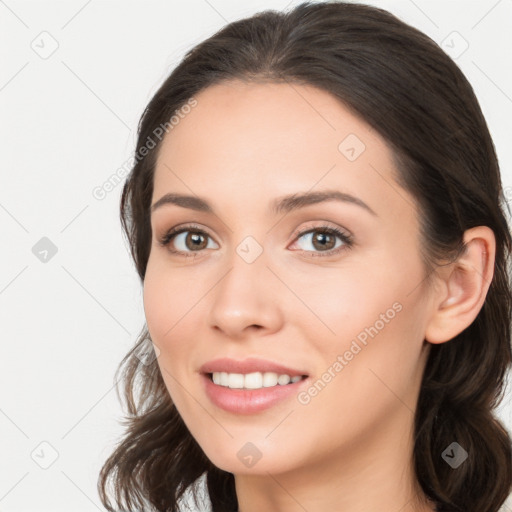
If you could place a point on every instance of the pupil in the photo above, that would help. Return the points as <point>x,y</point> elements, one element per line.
<point>321,239</point>
<point>196,239</point>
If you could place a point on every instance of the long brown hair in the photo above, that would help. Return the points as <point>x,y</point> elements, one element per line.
<point>402,84</point>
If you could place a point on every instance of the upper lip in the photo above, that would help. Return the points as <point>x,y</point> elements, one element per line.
<point>250,365</point>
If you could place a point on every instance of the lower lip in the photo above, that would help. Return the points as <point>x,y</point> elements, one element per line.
<point>248,401</point>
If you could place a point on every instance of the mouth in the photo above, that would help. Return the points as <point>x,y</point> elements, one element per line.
<point>250,393</point>
<point>255,380</point>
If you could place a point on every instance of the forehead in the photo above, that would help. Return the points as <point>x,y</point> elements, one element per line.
<point>281,115</point>
<point>250,139</point>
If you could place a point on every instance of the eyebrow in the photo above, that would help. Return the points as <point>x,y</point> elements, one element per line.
<point>281,204</point>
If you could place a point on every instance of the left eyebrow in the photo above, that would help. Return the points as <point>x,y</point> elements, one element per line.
<point>286,203</point>
<point>295,201</point>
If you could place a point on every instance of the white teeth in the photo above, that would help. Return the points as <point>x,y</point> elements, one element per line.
<point>254,380</point>
<point>270,379</point>
<point>284,379</point>
<point>224,379</point>
<point>236,380</point>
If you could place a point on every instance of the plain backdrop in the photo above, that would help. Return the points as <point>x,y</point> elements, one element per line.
<point>75,77</point>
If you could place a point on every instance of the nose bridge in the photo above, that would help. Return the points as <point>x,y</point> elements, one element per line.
<point>247,261</point>
<point>246,283</point>
<point>245,294</point>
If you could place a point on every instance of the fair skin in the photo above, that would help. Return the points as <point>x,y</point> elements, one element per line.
<point>350,447</point>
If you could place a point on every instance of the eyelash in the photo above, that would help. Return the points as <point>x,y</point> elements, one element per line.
<point>346,239</point>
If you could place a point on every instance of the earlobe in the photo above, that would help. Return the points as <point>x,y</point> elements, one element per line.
<point>463,286</point>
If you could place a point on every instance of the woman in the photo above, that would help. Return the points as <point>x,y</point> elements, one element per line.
<point>316,216</point>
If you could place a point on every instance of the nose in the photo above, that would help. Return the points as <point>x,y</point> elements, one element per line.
<point>247,299</point>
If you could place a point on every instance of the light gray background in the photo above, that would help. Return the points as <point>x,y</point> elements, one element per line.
<point>68,122</point>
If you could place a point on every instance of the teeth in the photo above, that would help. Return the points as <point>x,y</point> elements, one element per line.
<point>256,380</point>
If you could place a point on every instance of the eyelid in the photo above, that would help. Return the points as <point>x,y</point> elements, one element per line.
<point>325,224</point>
<point>175,231</point>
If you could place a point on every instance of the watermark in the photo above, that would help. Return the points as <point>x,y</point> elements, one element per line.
<point>249,454</point>
<point>351,147</point>
<point>147,355</point>
<point>44,250</point>
<point>44,455</point>
<point>44,45</point>
<point>101,191</point>
<point>454,44</point>
<point>304,397</point>
<point>454,455</point>
<point>249,249</point>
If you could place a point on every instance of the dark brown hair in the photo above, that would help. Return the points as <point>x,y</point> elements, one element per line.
<point>403,85</point>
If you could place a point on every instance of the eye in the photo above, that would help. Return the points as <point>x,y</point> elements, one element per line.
<point>185,238</point>
<point>188,240</point>
<point>324,239</point>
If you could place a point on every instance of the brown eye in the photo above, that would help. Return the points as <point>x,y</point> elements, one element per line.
<point>184,241</point>
<point>323,239</point>
<point>195,241</point>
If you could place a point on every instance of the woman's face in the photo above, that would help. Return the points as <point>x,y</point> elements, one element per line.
<point>349,311</point>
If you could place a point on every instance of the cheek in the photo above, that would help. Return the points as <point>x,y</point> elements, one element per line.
<point>154,300</point>
<point>346,300</point>
<point>172,308</point>
<point>166,320</point>
<point>371,307</point>
<point>381,339</point>
<point>165,293</point>
<point>162,307</point>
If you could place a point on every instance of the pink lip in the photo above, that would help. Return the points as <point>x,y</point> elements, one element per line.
<point>248,401</point>
<point>250,365</point>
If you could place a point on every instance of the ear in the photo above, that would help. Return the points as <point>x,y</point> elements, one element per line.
<point>462,286</point>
